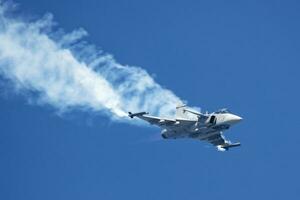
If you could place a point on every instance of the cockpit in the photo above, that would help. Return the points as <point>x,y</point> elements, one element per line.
<point>223,110</point>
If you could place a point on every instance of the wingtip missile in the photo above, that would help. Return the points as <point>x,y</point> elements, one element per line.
<point>132,115</point>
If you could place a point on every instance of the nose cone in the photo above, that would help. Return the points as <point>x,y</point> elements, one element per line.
<point>233,119</point>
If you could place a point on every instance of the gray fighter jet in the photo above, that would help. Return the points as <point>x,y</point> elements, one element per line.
<point>189,123</point>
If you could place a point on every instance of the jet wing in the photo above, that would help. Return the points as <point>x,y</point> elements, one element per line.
<point>152,119</point>
<point>220,142</point>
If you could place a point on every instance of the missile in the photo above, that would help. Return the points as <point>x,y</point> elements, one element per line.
<point>227,146</point>
<point>132,115</point>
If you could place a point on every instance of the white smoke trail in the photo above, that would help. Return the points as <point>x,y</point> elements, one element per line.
<point>67,73</point>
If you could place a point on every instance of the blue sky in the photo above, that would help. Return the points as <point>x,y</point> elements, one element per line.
<point>214,54</point>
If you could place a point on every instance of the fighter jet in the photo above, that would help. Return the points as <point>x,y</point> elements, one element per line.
<point>189,123</point>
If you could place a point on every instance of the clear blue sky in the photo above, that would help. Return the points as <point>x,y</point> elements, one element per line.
<point>240,55</point>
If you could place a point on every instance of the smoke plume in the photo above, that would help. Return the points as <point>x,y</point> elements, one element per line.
<point>66,73</point>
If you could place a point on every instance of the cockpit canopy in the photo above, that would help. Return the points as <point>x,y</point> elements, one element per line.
<point>223,110</point>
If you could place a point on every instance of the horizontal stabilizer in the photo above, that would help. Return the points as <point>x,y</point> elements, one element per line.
<point>132,115</point>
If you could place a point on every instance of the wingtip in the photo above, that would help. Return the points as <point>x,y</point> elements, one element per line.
<point>132,115</point>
